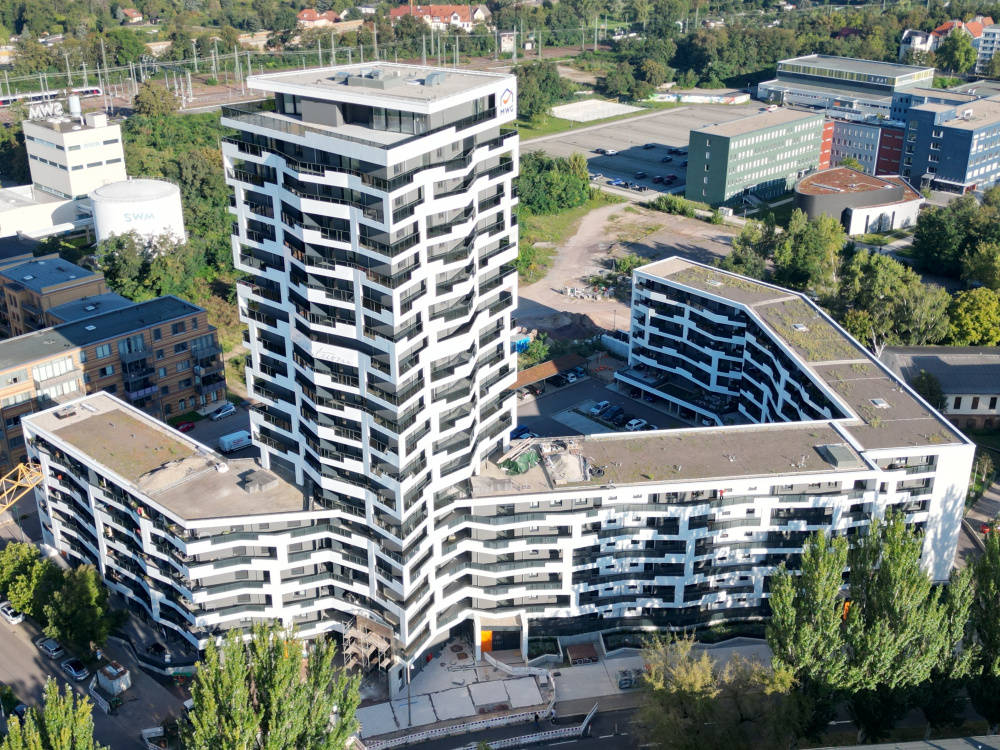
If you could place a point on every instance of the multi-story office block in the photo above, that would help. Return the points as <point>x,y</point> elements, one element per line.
<point>763,154</point>
<point>797,429</point>
<point>953,147</point>
<point>30,287</point>
<point>374,215</point>
<point>70,157</point>
<point>160,355</point>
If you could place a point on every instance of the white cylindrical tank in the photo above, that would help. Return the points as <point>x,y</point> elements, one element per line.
<point>148,207</point>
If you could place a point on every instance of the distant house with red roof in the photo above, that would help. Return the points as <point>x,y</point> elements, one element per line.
<point>310,18</point>
<point>441,17</point>
<point>915,40</point>
<point>131,15</point>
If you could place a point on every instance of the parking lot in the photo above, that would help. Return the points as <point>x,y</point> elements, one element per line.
<point>208,432</point>
<point>668,129</point>
<point>553,414</point>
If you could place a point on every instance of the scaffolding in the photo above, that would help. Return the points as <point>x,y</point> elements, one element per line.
<point>367,645</point>
<point>18,482</point>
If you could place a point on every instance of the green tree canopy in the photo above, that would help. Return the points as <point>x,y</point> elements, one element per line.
<point>78,614</point>
<point>539,86</point>
<point>809,253</point>
<point>64,722</point>
<point>548,185</point>
<point>259,695</point>
<point>946,234</point>
<point>154,100</point>
<point>975,318</point>
<point>981,265</point>
<point>984,682</point>
<point>16,559</point>
<point>956,52</point>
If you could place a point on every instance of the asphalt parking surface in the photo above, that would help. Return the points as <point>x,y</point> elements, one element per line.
<point>536,413</point>
<point>208,432</point>
<point>670,128</point>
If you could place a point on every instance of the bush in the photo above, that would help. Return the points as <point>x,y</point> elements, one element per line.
<point>673,204</point>
<point>714,218</point>
<point>628,639</point>
<point>211,81</point>
<point>542,646</point>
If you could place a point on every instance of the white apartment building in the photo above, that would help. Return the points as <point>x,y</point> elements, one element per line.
<point>378,309</point>
<point>70,157</point>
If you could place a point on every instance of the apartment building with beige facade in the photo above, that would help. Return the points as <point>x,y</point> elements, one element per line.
<point>161,356</point>
<point>29,287</point>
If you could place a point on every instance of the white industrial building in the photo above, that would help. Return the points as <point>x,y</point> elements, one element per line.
<point>379,305</point>
<point>147,207</point>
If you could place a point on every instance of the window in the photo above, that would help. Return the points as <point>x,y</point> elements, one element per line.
<point>106,372</point>
<point>194,324</point>
<point>177,328</point>
<point>179,348</point>
<point>957,403</point>
<point>975,402</point>
<point>185,365</point>
<point>51,370</point>
<point>993,402</point>
<point>161,372</point>
<point>182,404</point>
<point>131,344</point>
<point>103,350</point>
<point>186,383</point>
<point>164,390</point>
<point>157,334</point>
<point>159,354</point>
<point>168,409</point>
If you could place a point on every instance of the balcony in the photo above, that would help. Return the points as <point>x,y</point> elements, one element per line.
<point>133,356</point>
<point>141,393</point>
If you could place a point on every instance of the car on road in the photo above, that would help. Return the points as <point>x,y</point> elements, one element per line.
<point>636,424</point>
<point>599,407</point>
<point>666,159</point>
<point>226,410</point>
<point>641,175</point>
<point>617,183</point>
<point>649,146</point>
<point>185,426</point>
<point>51,648</point>
<point>684,163</point>
<point>11,615</point>
<point>75,669</point>
<point>670,179</point>
<point>658,179</point>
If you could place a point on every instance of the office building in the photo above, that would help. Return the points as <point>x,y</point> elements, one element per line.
<point>161,355</point>
<point>763,155</point>
<point>861,202</point>
<point>953,147</point>
<point>969,378</point>
<point>799,429</point>
<point>842,86</point>
<point>374,217</point>
<point>29,288</point>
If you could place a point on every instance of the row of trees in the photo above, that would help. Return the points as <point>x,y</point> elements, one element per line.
<point>887,642</point>
<point>62,722</point>
<point>876,298</point>
<point>70,605</point>
<point>548,185</point>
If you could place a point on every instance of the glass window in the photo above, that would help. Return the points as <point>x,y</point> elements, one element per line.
<point>182,347</point>
<point>103,350</point>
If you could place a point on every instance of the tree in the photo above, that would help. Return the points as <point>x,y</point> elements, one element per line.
<point>896,625</point>
<point>956,52</point>
<point>809,254</point>
<point>16,559</point>
<point>993,69</point>
<point>154,100</point>
<point>62,723</point>
<point>945,234</point>
<point>620,80</point>
<point>690,703</point>
<point>928,386</point>
<point>744,262</point>
<point>759,237</point>
<point>982,264</point>
<point>124,260</point>
<point>31,591</point>
<point>984,681</point>
<point>627,264</point>
<point>881,302</point>
<point>974,317</point>
<point>653,72</point>
<point>548,185</point>
<point>78,612</point>
<point>851,163</point>
<point>804,632</point>
<point>539,86</point>
<point>259,695</point>
<point>537,351</point>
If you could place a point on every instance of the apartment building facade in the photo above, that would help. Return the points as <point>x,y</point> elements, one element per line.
<point>763,154</point>
<point>161,355</point>
<point>30,287</point>
<point>373,214</point>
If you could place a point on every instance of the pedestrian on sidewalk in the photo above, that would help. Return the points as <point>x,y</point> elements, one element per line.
<point>537,723</point>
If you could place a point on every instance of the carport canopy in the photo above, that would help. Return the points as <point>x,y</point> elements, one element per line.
<point>547,370</point>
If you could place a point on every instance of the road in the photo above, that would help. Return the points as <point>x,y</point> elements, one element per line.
<point>610,730</point>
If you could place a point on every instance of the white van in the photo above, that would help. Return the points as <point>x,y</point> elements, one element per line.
<point>234,441</point>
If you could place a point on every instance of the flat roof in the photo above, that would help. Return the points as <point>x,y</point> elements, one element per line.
<point>974,370</point>
<point>780,116</point>
<point>65,338</point>
<point>547,369</point>
<point>855,65</point>
<point>42,273</point>
<point>88,307</point>
<point>943,94</point>
<point>413,84</point>
<point>840,180</point>
<point>980,113</point>
<point>835,89</point>
<point>979,89</point>
<point>165,464</point>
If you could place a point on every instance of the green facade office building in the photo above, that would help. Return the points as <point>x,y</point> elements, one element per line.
<point>763,154</point>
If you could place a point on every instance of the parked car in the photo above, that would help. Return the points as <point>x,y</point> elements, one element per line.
<point>20,710</point>
<point>636,424</point>
<point>684,163</point>
<point>185,426</point>
<point>75,669</point>
<point>649,146</point>
<point>620,420</point>
<point>648,427</point>
<point>641,175</point>
<point>611,414</point>
<point>51,648</point>
<point>670,179</point>
<point>667,159</point>
<point>536,389</point>
<point>571,377</point>
<point>557,381</point>
<point>599,407</point>
<point>234,441</point>
<point>658,179</point>
<point>600,151</point>
<point>519,432</point>
<point>226,410</point>
<point>610,152</point>
<point>11,615</point>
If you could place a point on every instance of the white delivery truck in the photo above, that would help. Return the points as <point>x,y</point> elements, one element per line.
<point>234,441</point>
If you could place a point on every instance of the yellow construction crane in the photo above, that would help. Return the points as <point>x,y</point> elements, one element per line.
<point>18,482</point>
